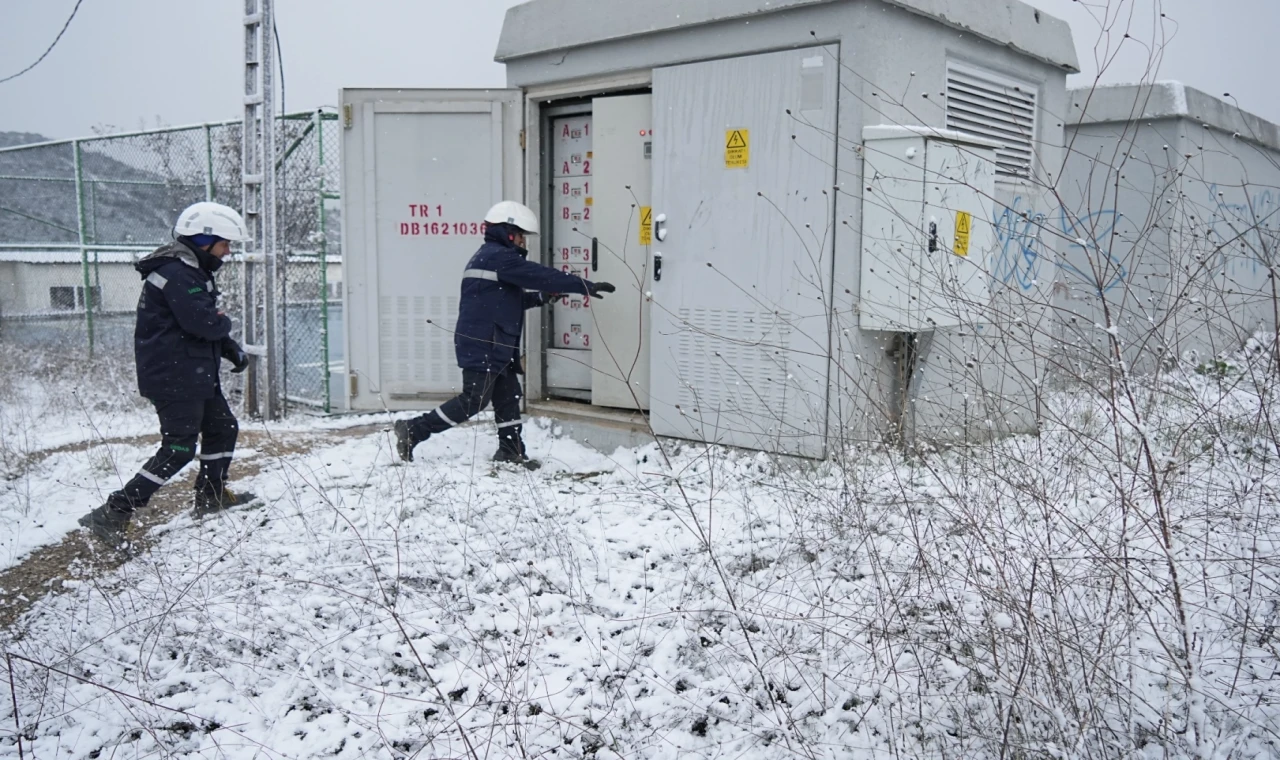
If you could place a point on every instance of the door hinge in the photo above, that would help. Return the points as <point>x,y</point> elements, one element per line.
<point>351,380</point>
<point>522,144</point>
<point>346,116</point>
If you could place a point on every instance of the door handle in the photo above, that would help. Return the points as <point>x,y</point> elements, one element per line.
<point>595,254</point>
<point>660,227</point>
<point>657,266</point>
<point>933,237</point>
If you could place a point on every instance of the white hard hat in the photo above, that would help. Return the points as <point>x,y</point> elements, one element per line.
<point>515,214</point>
<point>207,218</point>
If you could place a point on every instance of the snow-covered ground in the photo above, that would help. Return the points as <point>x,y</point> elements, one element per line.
<point>1050,596</point>
<point>55,403</point>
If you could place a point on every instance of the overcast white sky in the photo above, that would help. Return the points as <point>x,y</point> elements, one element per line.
<point>125,62</point>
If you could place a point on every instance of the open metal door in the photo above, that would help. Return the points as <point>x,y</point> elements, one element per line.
<point>419,170</point>
<point>744,165</point>
<point>623,229</point>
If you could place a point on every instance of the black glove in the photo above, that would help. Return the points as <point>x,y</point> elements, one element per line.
<point>597,288</point>
<point>232,352</point>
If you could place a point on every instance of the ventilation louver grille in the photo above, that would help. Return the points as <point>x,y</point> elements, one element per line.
<point>999,110</point>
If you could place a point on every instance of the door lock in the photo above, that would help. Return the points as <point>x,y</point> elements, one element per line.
<point>657,266</point>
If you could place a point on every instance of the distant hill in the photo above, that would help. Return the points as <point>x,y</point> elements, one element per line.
<point>126,201</point>
<point>10,139</point>
<point>134,187</point>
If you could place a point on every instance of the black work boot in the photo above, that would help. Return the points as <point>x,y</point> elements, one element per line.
<point>405,440</point>
<point>511,450</point>
<point>505,456</point>
<point>108,523</point>
<point>213,501</point>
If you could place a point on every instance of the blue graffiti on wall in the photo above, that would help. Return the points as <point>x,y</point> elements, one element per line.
<point>1092,234</point>
<point>1254,224</point>
<point>1020,247</point>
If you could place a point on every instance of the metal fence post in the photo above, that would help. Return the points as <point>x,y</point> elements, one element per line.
<point>80,234</point>
<point>324,266</point>
<point>208,165</point>
<point>258,156</point>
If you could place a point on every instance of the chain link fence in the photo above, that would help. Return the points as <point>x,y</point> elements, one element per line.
<point>76,215</point>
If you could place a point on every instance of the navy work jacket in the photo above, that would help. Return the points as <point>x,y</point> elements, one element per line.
<point>180,338</point>
<point>494,298</point>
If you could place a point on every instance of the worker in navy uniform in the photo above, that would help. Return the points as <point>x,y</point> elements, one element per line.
<point>180,341</point>
<point>498,284</point>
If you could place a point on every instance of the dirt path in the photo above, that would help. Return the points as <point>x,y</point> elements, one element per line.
<point>80,557</point>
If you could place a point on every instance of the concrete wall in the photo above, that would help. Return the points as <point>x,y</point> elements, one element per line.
<point>8,287</point>
<point>1175,200</point>
<point>968,382</point>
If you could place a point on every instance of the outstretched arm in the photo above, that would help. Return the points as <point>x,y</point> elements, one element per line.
<point>531,276</point>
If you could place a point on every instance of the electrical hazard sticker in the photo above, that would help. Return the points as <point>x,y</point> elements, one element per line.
<point>737,148</point>
<point>964,223</point>
<point>646,225</point>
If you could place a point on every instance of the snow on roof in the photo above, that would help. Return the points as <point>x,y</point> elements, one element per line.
<point>542,26</point>
<point>40,256</point>
<point>1120,103</point>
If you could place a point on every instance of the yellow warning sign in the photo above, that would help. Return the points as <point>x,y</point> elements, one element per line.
<point>646,225</point>
<point>737,148</point>
<point>964,222</point>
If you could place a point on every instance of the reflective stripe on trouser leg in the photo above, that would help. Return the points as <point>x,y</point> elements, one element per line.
<point>153,478</point>
<point>218,433</point>
<point>477,389</point>
<point>173,455</point>
<point>179,431</point>
<point>506,412</point>
<point>426,425</point>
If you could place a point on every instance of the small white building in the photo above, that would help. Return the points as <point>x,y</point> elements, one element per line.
<point>49,283</point>
<point>805,205</point>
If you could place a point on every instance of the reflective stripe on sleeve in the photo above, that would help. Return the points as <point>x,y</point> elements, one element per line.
<point>157,279</point>
<point>481,274</point>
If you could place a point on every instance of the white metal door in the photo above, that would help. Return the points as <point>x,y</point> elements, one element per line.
<point>893,234</point>
<point>420,169</point>
<point>623,178</point>
<point>744,153</point>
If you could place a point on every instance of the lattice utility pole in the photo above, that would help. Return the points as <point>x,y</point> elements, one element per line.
<point>261,321</point>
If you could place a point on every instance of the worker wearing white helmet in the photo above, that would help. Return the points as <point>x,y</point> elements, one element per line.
<point>180,339</point>
<point>498,285</point>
